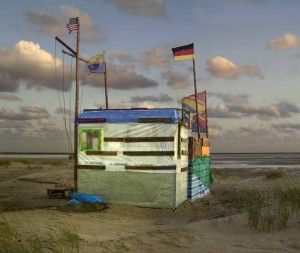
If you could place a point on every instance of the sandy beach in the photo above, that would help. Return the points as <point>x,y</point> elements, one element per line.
<point>215,223</point>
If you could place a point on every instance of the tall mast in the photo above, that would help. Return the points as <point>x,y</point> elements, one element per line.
<point>76,106</point>
<point>195,87</point>
<point>105,82</point>
<point>206,116</point>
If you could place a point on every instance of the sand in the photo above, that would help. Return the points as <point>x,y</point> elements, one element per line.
<point>207,225</point>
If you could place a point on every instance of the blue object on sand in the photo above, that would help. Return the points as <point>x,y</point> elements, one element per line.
<point>87,198</point>
<point>74,201</point>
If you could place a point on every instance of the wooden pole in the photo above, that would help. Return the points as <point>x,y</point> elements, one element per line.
<point>105,81</point>
<point>206,115</point>
<point>195,87</point>
<point>76,107</point>
<point>81,59</point>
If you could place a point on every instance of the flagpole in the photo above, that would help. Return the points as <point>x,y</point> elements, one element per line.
<point>206,115</point>
<point>105,81</point>
<point>76,107</point>
<point>195,87</point>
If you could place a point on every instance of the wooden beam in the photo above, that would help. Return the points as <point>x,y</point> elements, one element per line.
<point>149,139</point>
<point>148,153</point>
<point>170,167</point>
<point>139,139</point>
<point>74,56</point>
<point>184,169</point>
<point>185,152</point>
<point>114,139</point>
<point>102,153</point>
<point>155,120</point>
<point>91,167</point>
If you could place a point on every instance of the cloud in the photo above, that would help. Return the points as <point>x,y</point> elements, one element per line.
<point>61,110</point>
<point>279,110</point>
<point>127,105</point>
<point>222,111</point>
<point>121,56</point>
<point>231,99</point>
<point>287,108</point>
<point>176,80</point>
<point>249,1</point>
<point>47,23</point>
<point>156,57</point>
<point>267,112</point>
<point>161,98</point>
<point>223,68</point>
<point>52,25</point>
<point>286,126</point>
<point>122,77</point>
<point>32,112</point>
<point>251,70</point>
<point>285,41</point>
<point>26,63</point>
<point>89,33</point>
<point>152,8</point>
<point>256,128</point>
<point>10,98</point>
<point>29,132</point>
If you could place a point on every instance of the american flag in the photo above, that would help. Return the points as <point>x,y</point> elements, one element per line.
<point>72,26</point>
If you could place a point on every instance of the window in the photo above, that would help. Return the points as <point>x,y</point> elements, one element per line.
<point>91,139</point>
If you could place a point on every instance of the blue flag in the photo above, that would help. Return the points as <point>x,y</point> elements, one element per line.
<point>97,64</point>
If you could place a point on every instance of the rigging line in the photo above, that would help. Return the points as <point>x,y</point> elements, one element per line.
<point>56,77</point>
<point>70,99</point>
<point>64,103</point>
<point>56,80</point>
<point>83,85</point>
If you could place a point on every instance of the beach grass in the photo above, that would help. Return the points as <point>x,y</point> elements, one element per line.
<point>222,174</point>
<point>4,162</point>
<point>20,236</point>
<point>267,209</point>
<point>273,174</point>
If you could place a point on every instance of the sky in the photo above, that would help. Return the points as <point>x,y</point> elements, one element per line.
<point>247,58</point>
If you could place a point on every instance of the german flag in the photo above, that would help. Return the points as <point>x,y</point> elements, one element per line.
<point>183,53</point>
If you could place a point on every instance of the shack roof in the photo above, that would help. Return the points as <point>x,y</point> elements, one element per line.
<point>130,116</point>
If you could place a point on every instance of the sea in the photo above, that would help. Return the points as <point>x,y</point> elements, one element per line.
<point>256,161</point>
<point>247,161</point>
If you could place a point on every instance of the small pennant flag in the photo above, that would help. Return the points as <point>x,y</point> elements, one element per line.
<point>73,25</point>
<point>189,104</point>
<point>97,64</point>
<point>183,53</point>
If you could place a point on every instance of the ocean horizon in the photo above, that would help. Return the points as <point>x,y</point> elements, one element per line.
<point>247,161</point>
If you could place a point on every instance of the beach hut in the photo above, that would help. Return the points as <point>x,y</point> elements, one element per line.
<point>134,156</point>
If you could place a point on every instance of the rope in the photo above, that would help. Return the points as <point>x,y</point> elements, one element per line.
<point>83,85</point>
<point>64,108</point>
<point>70,99</point>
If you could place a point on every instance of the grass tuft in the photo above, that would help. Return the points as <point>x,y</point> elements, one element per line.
<point>273,174</point>
<point>4,162</point>
<point>17,238</point>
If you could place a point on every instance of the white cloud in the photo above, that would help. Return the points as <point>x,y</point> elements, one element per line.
<point>26,62</point>
<point>222,67</point>
<point>285,41</point>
